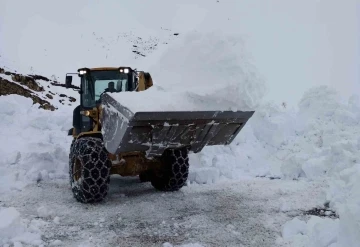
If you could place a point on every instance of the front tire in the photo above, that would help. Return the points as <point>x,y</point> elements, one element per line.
<point>89,170</point>
<point>174,172</point>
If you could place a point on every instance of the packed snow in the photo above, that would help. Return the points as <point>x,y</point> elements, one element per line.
<point>18,231</point>
<point>286,160</point>
<point>37,144</point>
<point>200,72</point>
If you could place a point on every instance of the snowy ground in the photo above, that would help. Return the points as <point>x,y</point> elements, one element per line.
<point>230,213</point>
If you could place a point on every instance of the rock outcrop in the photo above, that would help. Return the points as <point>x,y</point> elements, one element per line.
<point>27,86</point>
<point>7,87</point>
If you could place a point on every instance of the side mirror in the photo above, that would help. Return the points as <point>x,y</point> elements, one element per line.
<point>68,81</point>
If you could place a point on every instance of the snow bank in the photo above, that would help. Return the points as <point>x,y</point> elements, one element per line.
<point>200,72</point>
<point>316,232</point>
<point>320,141</point>
<point>16,231</point>
<point>34,142</point>
<point>344,196</point>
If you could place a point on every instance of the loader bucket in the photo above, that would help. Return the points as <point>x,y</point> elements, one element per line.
<point>153,132</point>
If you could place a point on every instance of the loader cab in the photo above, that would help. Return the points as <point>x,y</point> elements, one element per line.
<point>94,83</point>
<point>97,81</point>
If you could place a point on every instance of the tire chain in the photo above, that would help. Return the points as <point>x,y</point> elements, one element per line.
<point>70,160</point>
<point>93,185</point>
<point>175,173</point>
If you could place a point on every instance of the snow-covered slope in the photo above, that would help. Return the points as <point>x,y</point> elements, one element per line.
<point>49,94</point>
<point>317,143</point>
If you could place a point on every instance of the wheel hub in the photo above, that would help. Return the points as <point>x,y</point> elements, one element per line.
<point>77,170</point>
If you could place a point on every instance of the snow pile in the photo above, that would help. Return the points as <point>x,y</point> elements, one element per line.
<point>15,231</point>
<point>327,133</point>
<point>258,149</point>
<point>344,197</point>
<point>200,72</point>
<point>319,140</point>
<point>316,232</point>
<point>35,143</point>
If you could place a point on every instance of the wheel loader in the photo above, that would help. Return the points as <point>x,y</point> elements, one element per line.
<point>108,138</point>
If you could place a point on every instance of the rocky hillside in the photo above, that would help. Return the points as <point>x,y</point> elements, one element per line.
<point>42,90</point>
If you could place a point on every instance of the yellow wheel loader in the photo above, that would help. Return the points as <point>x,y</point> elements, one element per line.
<point>108,138</point>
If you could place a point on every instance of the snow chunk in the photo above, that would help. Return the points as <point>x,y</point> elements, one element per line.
<point>18,244</point>
<point>10,225</point>
<point>322,231</point>
<point>56,242</point>
<point>56,220</point>
<point>344,196</point>
<point>293,227</point>
<point>204,175</point>
<point>17,231</point>
<point>317,232</point>
<point>44,211</point>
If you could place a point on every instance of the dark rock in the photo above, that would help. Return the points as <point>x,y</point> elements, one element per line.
<point>322,212</point>
<point>27,81</point>
<point>40,77</point>
<point>62,95</point>
<point>49,96</point>
<point>63,85</point>
<point>72,99</point>
<point>8,87</point>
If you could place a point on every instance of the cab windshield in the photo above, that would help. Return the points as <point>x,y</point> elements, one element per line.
<point>95,83</point>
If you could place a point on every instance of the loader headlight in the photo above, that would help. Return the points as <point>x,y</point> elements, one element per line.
<point>82,72</point>
<point>85,113</point>
<point>124,71</point>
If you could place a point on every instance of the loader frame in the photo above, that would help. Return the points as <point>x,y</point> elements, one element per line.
<point>109,138</point>
<point>136,162</point>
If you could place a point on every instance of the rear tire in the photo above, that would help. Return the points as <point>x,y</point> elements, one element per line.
<point>89,170</point>
<point>174,172</point>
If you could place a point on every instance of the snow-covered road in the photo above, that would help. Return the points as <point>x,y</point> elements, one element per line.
<point>243,213</point>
